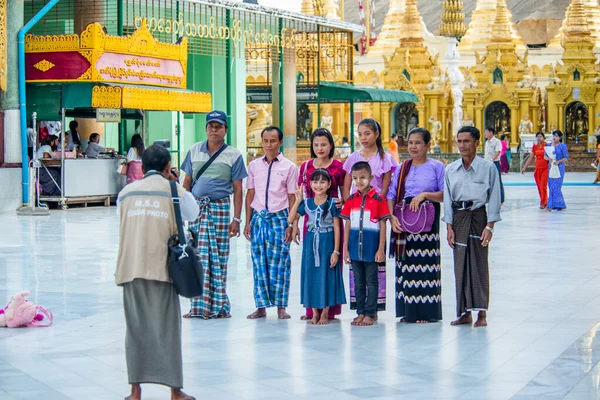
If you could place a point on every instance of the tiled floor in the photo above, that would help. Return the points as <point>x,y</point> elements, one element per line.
<point>543,341</point>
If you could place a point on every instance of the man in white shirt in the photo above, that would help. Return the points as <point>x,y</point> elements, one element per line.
<point>493,149</point>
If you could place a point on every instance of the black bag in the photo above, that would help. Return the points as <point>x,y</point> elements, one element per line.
<point>210,161</point>
<point>184,266</point>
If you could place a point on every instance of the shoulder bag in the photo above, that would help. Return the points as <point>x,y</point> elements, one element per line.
<point>210,161</point>
<point>184,264</point>
<point>411,221</point>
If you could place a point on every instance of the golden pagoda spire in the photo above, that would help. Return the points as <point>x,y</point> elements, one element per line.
<point>577,26</point>
<point>479,31</point>
<point>592,11</point>
<point>453,19</point>
<point>389,37</point>
<point>307,7</point>
<point>501,27</point>
<point>412,31</point>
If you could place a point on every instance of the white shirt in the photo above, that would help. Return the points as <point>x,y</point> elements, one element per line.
<point>44,149</point>
<point>132,155</point>
<point>492,147</point>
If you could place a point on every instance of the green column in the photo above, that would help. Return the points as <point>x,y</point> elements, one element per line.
<point>9,100</point>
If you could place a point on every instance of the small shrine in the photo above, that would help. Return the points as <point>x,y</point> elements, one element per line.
<point>414,69</point>
<point>573,94</point>
<point>500,92</point>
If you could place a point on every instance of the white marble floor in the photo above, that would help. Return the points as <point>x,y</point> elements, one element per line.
<point>543,341</point>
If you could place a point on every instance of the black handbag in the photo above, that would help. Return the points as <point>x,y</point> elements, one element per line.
<point>184,265</point>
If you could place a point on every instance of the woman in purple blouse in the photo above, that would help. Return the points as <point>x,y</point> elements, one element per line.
<point>418,267</point>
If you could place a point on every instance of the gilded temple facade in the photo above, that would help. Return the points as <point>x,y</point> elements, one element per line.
<point>573,94</point>
<point>500,91</point>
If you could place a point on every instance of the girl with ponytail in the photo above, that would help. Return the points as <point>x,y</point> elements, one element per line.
<point>382,167</point>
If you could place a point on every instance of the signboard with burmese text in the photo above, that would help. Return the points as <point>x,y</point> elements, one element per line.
<point>108,115</point>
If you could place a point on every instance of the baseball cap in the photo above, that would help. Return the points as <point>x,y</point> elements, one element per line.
<point>216,116</point>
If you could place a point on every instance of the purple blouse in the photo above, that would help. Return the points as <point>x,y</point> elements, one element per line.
<point>379,168</point>
<point>428,177</point>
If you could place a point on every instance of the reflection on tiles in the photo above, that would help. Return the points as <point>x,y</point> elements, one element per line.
<point>542,341</point>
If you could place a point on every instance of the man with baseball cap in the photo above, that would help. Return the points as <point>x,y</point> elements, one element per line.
<point>214,171</point>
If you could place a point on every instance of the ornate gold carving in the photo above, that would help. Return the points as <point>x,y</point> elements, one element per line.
<point>106,97</point>
<point>511,95</point>
<point>3,66</point>
<point>588,91</point>
<point>412,31</point>
<point>577,27</point>
<point>166,100</point>
<point>562,92</point>
<point>43,65</point>
<point>47,43</point>
<point>577,66</point>
<point>482,96</point>
<point>453,19</point>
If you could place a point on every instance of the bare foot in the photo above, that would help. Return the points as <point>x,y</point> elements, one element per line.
<point>368,321</point>
<point>304,317</point>
<point>422,322</point>
<point>259,313</point>
<point>548,209</point>
<point>403,319</point>
<point>188,315</point>
<point>281,314</point>
<point>463,320</point>
<point>481,319</point>
<point>136,393</point>
<point>178,394</point>
<point>358,320</point>
<point>324,320</point>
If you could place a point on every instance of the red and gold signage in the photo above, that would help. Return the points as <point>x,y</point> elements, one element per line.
<point>95,56</point>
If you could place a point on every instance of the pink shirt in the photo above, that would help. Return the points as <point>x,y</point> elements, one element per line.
<point>272,183</point>
<point>379,167</point>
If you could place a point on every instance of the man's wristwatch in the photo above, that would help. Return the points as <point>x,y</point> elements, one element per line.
<point>238,220</point>
<point>489,228</point>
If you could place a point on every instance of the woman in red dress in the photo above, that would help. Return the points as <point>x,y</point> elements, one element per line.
<point>322,149</point>
<point>541,168</point>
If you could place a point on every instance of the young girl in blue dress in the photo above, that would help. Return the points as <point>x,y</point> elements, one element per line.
<point>322,281</point>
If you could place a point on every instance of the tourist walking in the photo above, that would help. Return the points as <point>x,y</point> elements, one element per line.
<point>597,160</point>
<point>382,165</point>
<point>417,181</point>
<point>151,305</point>
<point>271,193</point>
<point>322,150</point>
<point>556,200</point>
<point>470,184</point>
<point>134,159</point>
<point>321,279</point>
<point>214,171</point>
<point>540,174</point>
<point>365,213</point>
<point>492,152</point>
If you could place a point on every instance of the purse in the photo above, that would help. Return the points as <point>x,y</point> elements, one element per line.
<point>184,264</point>
<point>123,168</point>
<point>554,171</point>
<point>415,222</point>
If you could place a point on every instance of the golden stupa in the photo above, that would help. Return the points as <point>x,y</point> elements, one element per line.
<point>479,31</point>
<point>307,7</point>
<point>503,95</point>
<point>412,68</point>
<point>453,19</point>
<point>573,94</point>
<point>592,12</point>
<point>389,37</point>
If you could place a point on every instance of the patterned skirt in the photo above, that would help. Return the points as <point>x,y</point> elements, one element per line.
<point>212,227</point>
<point>418,276</point>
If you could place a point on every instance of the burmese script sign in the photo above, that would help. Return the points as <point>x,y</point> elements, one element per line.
<point>108,115</point>
<point>125,68</point>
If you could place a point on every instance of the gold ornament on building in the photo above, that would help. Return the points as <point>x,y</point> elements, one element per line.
<point>577,26</point>
<point>501,29</point>
<point>412,32</point>
<point>453,19</point>
<point>43,65</point>
<point>389,37</point>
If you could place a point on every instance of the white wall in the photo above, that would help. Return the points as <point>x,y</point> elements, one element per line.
<point>10,195</point>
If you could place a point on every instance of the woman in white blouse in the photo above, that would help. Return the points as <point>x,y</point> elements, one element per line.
<point>134,159</point>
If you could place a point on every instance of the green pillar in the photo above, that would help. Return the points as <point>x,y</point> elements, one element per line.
<point>9,100</point>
